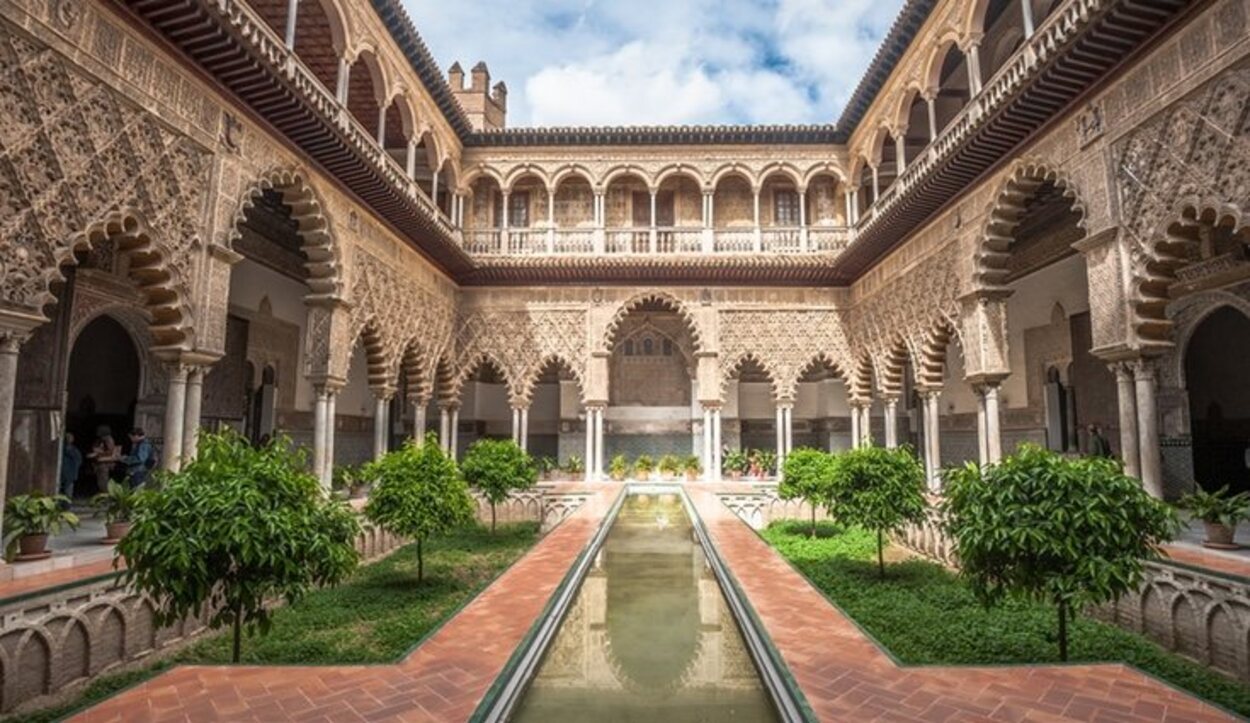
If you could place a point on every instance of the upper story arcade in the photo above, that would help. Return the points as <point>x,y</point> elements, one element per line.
<point>953,88</point>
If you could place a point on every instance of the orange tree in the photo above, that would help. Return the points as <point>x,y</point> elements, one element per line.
<point>235,528</point>
<point>879,489</point>
<point>1071,532</point>
<point>807,475</point>
<point>496,467</point>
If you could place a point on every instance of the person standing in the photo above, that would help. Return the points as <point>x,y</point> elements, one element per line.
<point>104,454</point>
<point>141,459</point>
<point>71,465</point>
<point>1098,444</point>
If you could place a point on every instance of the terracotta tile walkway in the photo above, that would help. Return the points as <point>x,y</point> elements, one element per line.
<point>846,677</point>
<point>21,585</point>
<point>1198,557</point>
<point>443,680</point>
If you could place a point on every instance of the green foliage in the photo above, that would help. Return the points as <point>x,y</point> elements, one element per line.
<point>618,468</point>
<point>734,462</point>
<point>350,478</point>
<point>497,468</point>
<point>879,489</point>
<point>546,465</point>
<point>418,494</point>
<point>925,615</point>
<point>116,503</point>
<point>376,616</point>
<point>1070,532</point>
<point>574,465</point>
<point>669,465</point>
<point>643,466</point>
<point>1217,507</point>
<point>234,529</point>
<point>692,465</point>
<point>35,514</point>
<point>808,475</point>
<point>761,462</point>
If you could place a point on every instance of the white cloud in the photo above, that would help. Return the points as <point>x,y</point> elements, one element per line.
<point>627,62</point>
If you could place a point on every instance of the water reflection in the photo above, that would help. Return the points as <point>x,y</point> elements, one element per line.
<point>649,636</point>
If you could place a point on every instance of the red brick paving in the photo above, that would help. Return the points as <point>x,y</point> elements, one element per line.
<point>846,677</point>
<point>22,585</point>
<point>843,674</point>
<point>443,680</point>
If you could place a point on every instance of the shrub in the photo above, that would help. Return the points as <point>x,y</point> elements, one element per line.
<point>692,465</point>
<point>879,489</point>
<point>669,465</point>
<point>1218,507</point>
<point>618,468</point>
<point>116,503</point>
<point>762,462</point>
<point>35,514</point>
<point>1070,532</point>
<point>643,466</point>
<point>735,462</point>
<point>808,476</point>
<point>497,467</point>
<point>237,527</point>
<point>418,494</point>
<point>574,465</point>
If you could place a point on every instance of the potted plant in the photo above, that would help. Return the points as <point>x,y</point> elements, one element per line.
<point>29,519</point>
<point>762,463</point>
<point>692,466</point>
<point>573,466</point>
<point>546,467</point>
<point>643,466</point>
<point>734,464</point>
<point>669,466</point>
<point>115,504</point>
<point>1220,512</point>
<point>618,468</point>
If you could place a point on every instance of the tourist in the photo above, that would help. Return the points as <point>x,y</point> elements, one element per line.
<point>71,465</point>
<point>1098,444</point>
<point>141,460</point>
<point>104,455</point>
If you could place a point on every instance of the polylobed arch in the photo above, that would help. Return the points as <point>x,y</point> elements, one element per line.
<point>930,370</point>
<point>1177,245</point>
<point>661,298</point>
<point>860,385</point>
<point>379,367</point>
<point>820,361</point>
<point>891,380</point>
<point>320,247</point>
<point>414,370</point>
<point>750,361</point>
<point>1009,208</point>
<point>479,361</point>
<point>169,311</point>
<point>551,361</point>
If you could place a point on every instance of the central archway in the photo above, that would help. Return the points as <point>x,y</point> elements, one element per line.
<point>102,390</point>
<point>651,381</point>
<point>1217,380</point>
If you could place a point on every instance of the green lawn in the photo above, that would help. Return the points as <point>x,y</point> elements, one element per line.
<point>375,617</point>
<point>923,614</point>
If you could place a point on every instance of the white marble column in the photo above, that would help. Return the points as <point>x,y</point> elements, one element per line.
<point>320,416</point>
<point>781,438</point>
<point>1127,398</point>
<point>381,410</point>
<point>708,472</point>
<point>865,426</point>
<point>418,420</point>
<point>983,457</point>
<point>327,473</point>
<point>455,432</point>
<point>933,129</point>
<point>444,428</point>
<point>10,344</point>
<point>993,424</point>
<point>1148,427</point>
<point>590,444</point>
<point>191,414</point>
<point>175,413</point>
<point>598,443</point>
<point>855,421</point>
<point>525,428</point>
<point>891,422</point>
<point>932,429</point>
<point>516,425</point>
<point>292,7</point>
<point>716,444</point>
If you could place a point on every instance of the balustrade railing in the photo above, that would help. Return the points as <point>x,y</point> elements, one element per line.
<point>627,240</point>
<point>734,240</point>
<point>679,240</point>
<point>574,241</point>
<point>483,242</point>
<point>781,240</point>
<point>668,241</point>
<point>828,238</point>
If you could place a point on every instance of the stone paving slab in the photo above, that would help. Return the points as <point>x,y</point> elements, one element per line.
<point>847,677</point>
<point>441,681</point>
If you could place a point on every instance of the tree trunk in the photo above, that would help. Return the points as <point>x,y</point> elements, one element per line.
<point>1063,631</point>
<point>238,631</point>
<point>492,518</point>
<point>813,520</point>
<point>880,553</point>
<point>420,562</point>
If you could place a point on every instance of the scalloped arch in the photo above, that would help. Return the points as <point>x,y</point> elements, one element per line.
<point>608,338</point>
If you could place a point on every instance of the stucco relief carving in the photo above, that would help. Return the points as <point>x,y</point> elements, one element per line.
<point>1190,161</point>
<point>521,344</point>
<point>79,163</point>
<point>783,342</point>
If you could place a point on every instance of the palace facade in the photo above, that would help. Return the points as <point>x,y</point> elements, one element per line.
<point>283,216</point>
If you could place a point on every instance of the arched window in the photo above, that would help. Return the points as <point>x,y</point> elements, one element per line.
<point>648,346</point>
<point>668,347</point>
<point>629,347</point>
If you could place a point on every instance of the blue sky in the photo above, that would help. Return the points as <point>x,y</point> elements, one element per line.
<point>655,62</point>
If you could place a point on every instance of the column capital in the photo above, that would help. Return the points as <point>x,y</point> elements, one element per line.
<point>929,392</point>
<point>327,385</point>
<point>383,393</point>
<point>1144,368</point>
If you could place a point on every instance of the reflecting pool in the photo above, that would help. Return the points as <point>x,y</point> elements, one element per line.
<point>649,636</point>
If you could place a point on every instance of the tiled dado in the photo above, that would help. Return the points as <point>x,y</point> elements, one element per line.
<point>443,680</point>
<point>846,677</point>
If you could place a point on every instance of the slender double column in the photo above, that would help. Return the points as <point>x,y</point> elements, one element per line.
<point>1139,422</point>
<point>785,433</point>
<point>520,425</point>
<point>418,418</point>
<point>448,424</point>
<point>594,442</point>
<point>989,429</point>
<point>932,426</point>
<point>192,412</point>
<point>324,411</point>
<point>890,411</point>
<point>10,343</point>
<point>861,424</point>
<point>381,420</point>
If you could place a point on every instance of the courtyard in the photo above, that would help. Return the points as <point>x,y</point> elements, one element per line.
<point>705,361</point>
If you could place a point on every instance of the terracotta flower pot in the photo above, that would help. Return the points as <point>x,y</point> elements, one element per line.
<point>115,531</point>
<point>1219,537</point>
<point>33,547</point>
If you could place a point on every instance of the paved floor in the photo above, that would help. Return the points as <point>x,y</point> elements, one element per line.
<point>443,680</point>
<point>843,674</point>
<point>846,677</point>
